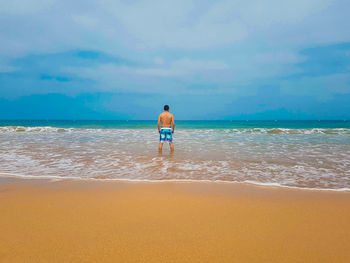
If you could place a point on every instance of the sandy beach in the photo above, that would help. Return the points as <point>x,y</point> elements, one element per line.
<point>94,221</point>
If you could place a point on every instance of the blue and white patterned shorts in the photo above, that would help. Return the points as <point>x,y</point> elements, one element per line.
<point>166,135</point>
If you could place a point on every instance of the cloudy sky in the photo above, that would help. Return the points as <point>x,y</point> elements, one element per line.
<point>111,59</point>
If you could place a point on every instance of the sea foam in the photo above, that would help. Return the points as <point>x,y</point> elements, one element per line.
<point>298,158</point>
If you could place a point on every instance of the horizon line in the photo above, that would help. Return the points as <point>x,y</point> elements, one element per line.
<point>126,120</point>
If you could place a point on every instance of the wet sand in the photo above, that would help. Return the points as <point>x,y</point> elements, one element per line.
<point>87,221</point>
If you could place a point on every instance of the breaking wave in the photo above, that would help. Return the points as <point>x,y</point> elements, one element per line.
<point>50,129</point>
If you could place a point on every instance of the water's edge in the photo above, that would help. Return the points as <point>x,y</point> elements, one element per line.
<point>63,178</point>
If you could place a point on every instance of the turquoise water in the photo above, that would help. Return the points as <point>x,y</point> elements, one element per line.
<point>299,154</point>
<point>93,124</point>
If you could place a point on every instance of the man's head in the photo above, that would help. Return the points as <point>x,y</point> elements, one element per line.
<point>166,107</point>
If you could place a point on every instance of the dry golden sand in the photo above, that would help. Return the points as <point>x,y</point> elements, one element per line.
<point>80,221</point>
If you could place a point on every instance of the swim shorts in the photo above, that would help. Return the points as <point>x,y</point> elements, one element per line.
<point>166,135</point>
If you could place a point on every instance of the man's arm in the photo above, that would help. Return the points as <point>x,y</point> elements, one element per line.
<point>173,123</point>
<point>159,123</point>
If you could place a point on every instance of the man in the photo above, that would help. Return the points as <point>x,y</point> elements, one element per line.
<point>166,127</point>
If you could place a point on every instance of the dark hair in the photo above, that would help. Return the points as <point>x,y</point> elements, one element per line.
<point>166,107</point>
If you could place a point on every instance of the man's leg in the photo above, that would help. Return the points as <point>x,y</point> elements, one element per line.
<point>160,147</point>
<point>170,141</point>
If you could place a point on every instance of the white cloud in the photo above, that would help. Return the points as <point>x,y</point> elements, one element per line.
<point>278,57</point>
<point>159,61</point>
<point>186,24</point>
<point>198,65</point>
<point>21,7</point>
<point>177,68</point>
<point>182,67</point>
<point>115,26</point>
<point>86,21</point>
<point>170,24</point>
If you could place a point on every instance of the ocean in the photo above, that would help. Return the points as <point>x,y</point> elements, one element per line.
<point>298,154</point>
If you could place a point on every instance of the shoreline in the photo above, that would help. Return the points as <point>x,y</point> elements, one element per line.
<point>249,183</point>
<point>95,221</point>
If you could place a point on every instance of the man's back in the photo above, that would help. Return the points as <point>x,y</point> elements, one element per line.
<point>166,127</point>
<point>166,118</point>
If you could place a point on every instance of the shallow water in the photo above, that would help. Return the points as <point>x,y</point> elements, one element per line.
<point>316,158</point>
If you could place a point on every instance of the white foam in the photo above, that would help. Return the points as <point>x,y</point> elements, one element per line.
<point>204,132</point>
<point>344,189</point>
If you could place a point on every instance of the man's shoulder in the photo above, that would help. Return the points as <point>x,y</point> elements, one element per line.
<point>166,114</point>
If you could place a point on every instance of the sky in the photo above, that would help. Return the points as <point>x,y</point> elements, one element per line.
<point>209,60</point>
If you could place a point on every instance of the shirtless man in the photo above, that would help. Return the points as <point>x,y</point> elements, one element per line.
<point>166,127</point>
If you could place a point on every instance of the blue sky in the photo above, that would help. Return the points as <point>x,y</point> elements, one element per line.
<point>206,59</point>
